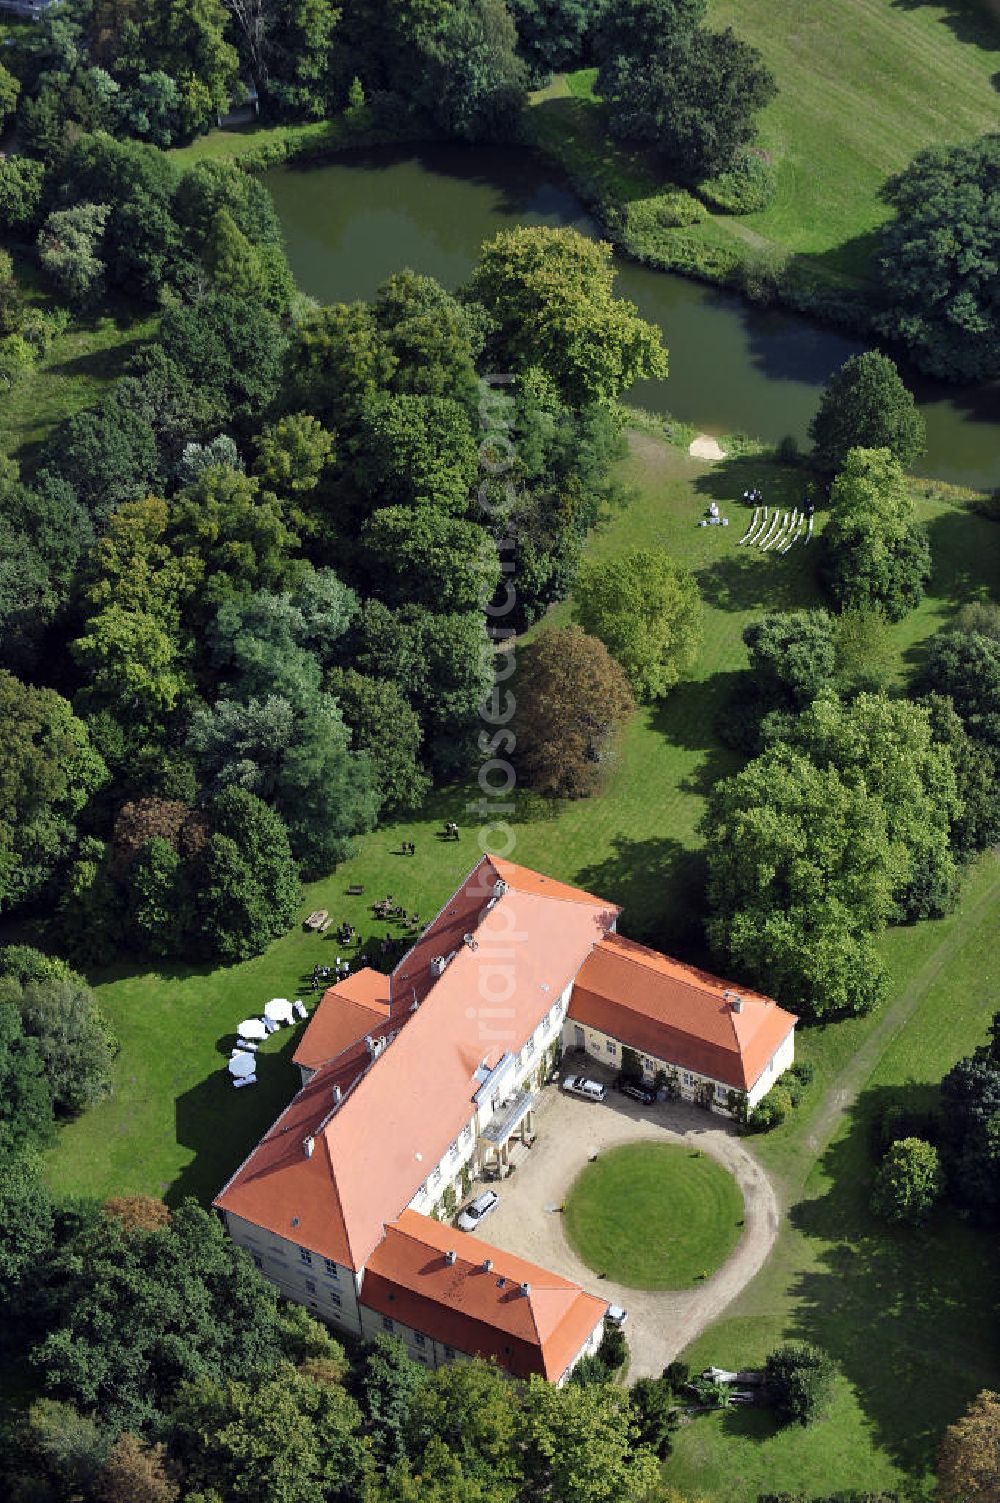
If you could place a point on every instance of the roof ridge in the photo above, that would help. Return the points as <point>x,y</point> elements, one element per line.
<point>618,942</point>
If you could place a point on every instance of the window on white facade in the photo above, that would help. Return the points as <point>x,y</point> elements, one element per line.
<point>334,1297</point>
<point>435,1177</point>
<point>688,1079</point>
<point>388,1324</point>
<point>467,1132</point>
<point>648,1066</point>
<point>722,1092</point>
<point>305,1255</point>
<point>611,1046</point>
<point>332,1270</point>
<point>530,1046</point>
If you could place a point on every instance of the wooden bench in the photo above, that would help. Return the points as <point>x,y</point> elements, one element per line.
<point>355,891</point>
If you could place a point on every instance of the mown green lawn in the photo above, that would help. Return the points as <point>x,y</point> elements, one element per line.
<point>654,1215</point>
<point>637,844</point>
<point>863,85</point>
<point>908,1316</point>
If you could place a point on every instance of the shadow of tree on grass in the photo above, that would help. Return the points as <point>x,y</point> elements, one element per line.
<point>908,1313</point>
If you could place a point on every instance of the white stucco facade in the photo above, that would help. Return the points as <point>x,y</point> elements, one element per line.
<point>690,1085</point>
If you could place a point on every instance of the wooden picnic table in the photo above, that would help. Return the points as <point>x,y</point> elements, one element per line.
<point>315,919</point>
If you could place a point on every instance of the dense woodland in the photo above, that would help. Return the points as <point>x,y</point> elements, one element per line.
<point>252,600</point>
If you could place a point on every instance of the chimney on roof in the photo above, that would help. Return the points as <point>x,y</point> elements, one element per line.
<point>438,964</point>
<point>308,1145</point>
<point>338,1095</point>
<point>487,1265</point>
<point>471,941</point>
<point>735,1001</point>
<point>449,1257</point>
<point>370,1044</point>
<point>525,1288</point>
<point>499,887</point>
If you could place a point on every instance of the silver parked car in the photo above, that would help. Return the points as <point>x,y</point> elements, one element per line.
<point>578,1085</point>
<point>478,1209</point>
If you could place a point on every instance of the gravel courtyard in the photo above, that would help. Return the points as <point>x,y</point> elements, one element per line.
<point>527,1221</point>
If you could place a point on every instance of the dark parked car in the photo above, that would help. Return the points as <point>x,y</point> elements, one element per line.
<point>637,1091</point>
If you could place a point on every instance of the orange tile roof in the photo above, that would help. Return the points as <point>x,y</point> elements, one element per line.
<point>347,1012</point>
<point>675,1012</point>
<point>374,1151</point>
<point>481,1312</point>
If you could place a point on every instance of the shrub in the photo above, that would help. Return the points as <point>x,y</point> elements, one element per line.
<point>744,188</point>
<point>799,1380</point>
<point>613,1350</point>
<point>793,1085</point>
<point>590,1369</point>
<point>772,1111</point>
<point>655,1413</point>
<point>760,274</point>
<point>449,1201</point>
<point>908,1182</point>
<point>803,1071</point>
<point>664,211</point>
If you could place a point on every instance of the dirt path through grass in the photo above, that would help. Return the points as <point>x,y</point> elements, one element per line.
<point>848,1084</point>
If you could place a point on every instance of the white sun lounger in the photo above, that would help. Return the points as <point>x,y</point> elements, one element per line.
<point>753,524</point>
<point>759,529</point>
<point>243,1080</point>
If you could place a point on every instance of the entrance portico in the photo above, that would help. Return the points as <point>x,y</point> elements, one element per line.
<point>513,1123</point>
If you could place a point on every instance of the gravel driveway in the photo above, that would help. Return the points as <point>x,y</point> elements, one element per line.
<point>660,1323</point>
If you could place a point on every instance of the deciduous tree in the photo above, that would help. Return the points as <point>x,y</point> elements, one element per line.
<point>551,295</point>
<point>801,875</point>
<point>646,610</point>
<point>866,406</point>
<point>908,1182</point>
<point>967,1464</point>
<point>939,259</point>
<point>570,700</point>
<point>875,556</point>
<point>799,1379</point>
<point>48,771</point>
<point>384,724</point>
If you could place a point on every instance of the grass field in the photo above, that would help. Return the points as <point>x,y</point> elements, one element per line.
<point>863,85</point>
<point>909,1315</point>
<point>175,1126</point>
<point>654,1215</point>
<point>79,364</point>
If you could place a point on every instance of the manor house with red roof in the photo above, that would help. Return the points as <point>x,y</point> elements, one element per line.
<point>416,1082</point>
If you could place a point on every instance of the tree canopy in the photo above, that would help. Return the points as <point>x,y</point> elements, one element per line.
<point>666,79</point>
<point>646,610</point>
<point>939,259</point>
<point>48,771</point>
<point>571,699</point>
<point>866,406</point>
<point>875,555</point>
<point>551,295</point>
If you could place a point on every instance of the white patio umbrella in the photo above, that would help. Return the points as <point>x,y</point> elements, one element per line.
<point>279,1010</point>
<point>242,1064</point>
<point>252,1028</point>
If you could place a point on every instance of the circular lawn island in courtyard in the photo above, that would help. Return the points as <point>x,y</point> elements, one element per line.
<point>654,1215</point>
